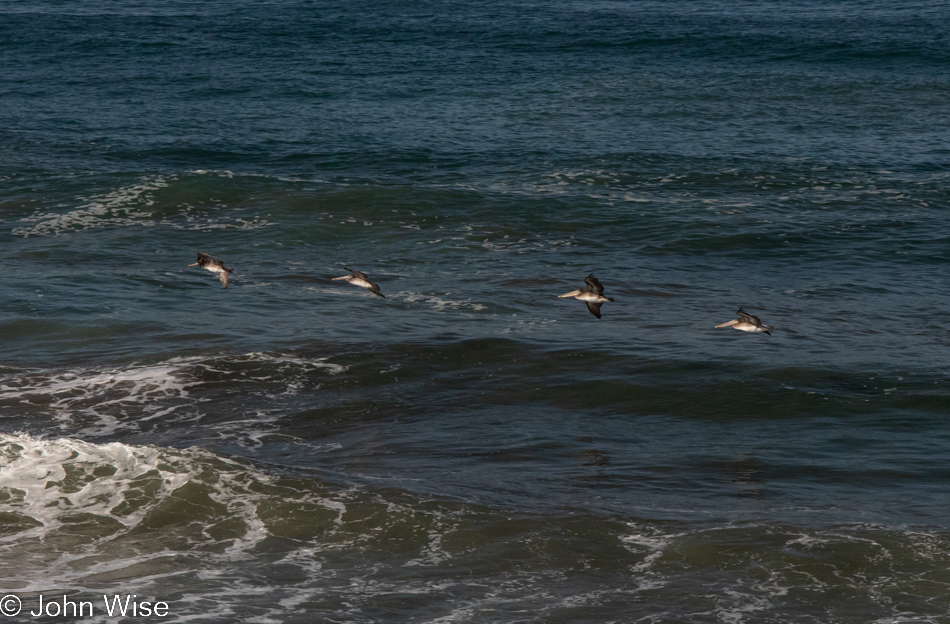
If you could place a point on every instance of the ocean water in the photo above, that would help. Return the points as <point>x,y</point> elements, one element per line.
<point>471,448</point>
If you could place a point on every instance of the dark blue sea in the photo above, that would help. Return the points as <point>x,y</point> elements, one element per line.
<point>470,448</point>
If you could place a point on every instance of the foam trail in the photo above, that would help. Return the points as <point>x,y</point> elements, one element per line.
<point>124,206</point>
<point>102,401</point>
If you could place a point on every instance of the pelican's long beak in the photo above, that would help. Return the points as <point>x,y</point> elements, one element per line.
<point>193,264</point>
<point>573,293</point>
<point>344,277</point>
<point>729,324</point>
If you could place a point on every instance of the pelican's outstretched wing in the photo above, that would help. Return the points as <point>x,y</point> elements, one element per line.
<point>594,284</point>
<point>594,308</point>
<point>359,274</point>
<point>748,318</point>
<point>223,276</point>
<point>374,288</point>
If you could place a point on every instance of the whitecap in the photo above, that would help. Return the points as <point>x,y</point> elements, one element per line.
<point>124,206</point>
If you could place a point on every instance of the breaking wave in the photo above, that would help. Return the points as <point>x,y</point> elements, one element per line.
<point>106,400</point>
<point>218,537</point>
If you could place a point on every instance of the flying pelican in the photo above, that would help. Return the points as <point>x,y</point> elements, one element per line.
<point>207,261</point>
<point>593,295</point>
<point>359,278</point>
<point>748,323</point>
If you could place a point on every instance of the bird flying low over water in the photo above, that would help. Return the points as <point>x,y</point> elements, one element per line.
<point>593,295</point>
<point>358,278</point>
<point>207,261</point>
<point>747,323</point>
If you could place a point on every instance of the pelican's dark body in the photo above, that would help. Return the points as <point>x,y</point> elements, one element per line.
<point>747,323</point>
<point>593,295</point>
<point>358,278</point>
<point>209,262</point>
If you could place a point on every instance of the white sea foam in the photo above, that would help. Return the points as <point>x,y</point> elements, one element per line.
<point>48,479</point>
<point>434,552</point>
<point>100,401</point>
<point>215,529</point>
<point>128,205</point>
<point>101,393</point>
<point>438,303</point>
<point>122,493</point>
<point>206,224</point>
<point>649,542</point>
<point>133,205</point>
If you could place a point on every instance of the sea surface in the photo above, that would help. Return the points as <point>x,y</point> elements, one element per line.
<point>471,448</point>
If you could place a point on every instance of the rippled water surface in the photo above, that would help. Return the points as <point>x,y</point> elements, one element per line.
<point>471,448</point>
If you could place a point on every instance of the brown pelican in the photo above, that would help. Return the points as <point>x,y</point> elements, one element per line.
<point>748,323</point>
<point>593,295</point>
<point>207,261</point>
<point>359,278</point>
